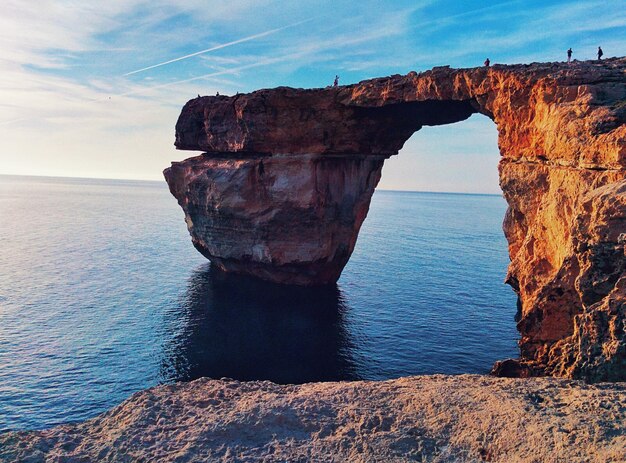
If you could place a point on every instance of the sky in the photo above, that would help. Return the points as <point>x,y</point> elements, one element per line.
<point>93,89</point>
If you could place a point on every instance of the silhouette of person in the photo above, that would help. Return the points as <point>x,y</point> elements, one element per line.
<point>336,82</point>
<point>487,62</point>
<point>569,55</point>
<point>217,94</point>
<point>600,53</point>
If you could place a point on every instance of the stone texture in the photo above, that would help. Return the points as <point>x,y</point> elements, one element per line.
<point>562,137</point>
<point>433,419</point>
<point>596,347</point>
<point>285,219</point>
<point>566,259</point>
<point>568,114</point>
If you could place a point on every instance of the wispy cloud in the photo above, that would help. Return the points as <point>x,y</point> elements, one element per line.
<point>236,70</point>
<point>542,33</point>
<point>13,121</point>
<point>312,51</point>
<point>221,46</point>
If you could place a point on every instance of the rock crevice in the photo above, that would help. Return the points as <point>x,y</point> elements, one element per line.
<point>286,178</point>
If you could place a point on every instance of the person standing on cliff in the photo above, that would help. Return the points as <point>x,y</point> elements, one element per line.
<point>336,82</point>
<point>487,62</point>
<point>600,53</point>
<point>569,55</point>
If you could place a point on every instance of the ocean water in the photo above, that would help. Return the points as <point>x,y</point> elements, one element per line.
<point>102,295</point>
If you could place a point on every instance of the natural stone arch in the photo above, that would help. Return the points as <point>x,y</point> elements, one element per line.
<point>287,176</point>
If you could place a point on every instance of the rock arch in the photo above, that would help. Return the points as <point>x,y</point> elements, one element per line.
<point>286,178</point>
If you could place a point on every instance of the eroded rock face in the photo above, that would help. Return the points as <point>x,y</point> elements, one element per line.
<point>285,219</point>
<point>595,263</point>
<point>562,136</point>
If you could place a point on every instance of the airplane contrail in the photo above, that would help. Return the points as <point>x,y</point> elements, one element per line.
<point>218,47</point>
<point>205,76</point>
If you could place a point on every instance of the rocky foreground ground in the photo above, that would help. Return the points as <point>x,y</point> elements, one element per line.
<point>425,418</point>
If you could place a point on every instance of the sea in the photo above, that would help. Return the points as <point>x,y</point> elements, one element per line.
<point>103,295</point>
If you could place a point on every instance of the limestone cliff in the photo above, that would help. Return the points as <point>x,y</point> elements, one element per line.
<point>287,175</point>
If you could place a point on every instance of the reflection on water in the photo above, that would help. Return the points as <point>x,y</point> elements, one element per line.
<point>236,327</point>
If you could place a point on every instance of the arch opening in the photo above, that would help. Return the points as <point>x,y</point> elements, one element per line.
<point>460,157</point>
<point>444,250</point>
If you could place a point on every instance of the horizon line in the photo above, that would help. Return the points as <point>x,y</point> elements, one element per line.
<point>391,190</point>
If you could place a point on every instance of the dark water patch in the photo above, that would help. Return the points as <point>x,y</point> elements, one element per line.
<point>244,329</point>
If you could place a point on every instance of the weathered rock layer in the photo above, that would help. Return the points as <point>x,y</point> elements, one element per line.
<point>433,419</point>
<point>287,175</point>
<point>282,218</point>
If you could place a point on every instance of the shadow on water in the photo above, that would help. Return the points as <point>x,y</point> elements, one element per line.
<point>241,328</point>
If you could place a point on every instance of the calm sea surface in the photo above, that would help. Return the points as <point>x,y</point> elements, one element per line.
<point>102,295</point>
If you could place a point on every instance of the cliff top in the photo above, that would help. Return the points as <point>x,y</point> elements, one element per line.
<point>573,114</point>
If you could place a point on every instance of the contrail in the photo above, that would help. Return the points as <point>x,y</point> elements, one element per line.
<point>218,47</point>
<point>205,76</point>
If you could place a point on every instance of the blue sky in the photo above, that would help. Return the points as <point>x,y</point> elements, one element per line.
<point>69,107</point>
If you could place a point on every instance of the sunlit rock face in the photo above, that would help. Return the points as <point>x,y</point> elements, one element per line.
<point>287,176</point>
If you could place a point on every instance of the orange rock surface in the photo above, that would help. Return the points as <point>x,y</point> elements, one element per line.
<point>287,175</point>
